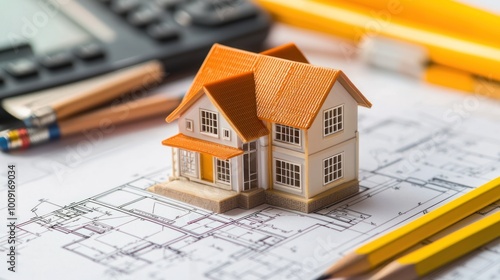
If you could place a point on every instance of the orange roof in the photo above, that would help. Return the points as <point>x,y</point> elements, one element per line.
<point>287,51</point>
<point>205,147</point>
<point>286,92</point>
<point>234,97</point>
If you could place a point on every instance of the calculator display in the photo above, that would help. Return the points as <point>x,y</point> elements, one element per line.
<point>41,24</point>
<point>49,43</point>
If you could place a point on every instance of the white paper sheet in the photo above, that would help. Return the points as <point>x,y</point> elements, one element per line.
<point>83,212</point>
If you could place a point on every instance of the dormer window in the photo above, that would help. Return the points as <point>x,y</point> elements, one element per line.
<point>209,123</point>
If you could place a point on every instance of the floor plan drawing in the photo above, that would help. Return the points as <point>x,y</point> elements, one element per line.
<point>130,233</point>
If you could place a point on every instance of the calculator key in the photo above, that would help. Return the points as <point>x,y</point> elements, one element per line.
<point>89,51</point>
<point>169,4</point>
<point>142,17</point>
<point>215,12</point>
<point>56,61</point>
<point>123,7</point>
<point>105,2</point>
<point>163,31</point>
<point>22,68</point>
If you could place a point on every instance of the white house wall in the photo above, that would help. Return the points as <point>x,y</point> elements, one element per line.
<point>349,166</point>
<point>338,95</point>
<point>193,113</point>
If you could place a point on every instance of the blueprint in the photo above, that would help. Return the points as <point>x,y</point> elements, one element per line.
<point>410,165</point>
<point>84,212</point>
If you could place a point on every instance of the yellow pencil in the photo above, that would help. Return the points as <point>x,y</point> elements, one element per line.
<point>461,19</point>
<point>461,80</point>
<point>355,23</point>
<point>402,57</point>
<point>384,248</point>
<point>448,248</point>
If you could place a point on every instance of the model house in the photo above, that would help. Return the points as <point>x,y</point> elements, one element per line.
<point>268,127</point>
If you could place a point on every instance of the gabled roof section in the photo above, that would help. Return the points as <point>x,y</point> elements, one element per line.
<point>287,51</point>
<point>221,62</point>
<point>353,90</point>
<point>234,97</point>
<point>291,93</point>
<point>287,92</point>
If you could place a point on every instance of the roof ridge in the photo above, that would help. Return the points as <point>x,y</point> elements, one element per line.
<point>293,81</point>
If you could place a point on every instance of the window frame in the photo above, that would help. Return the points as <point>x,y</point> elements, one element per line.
<point>285,175</point>
<point>250,180</point>
<point>330,173</point>
<point>228,138</point>
<point>329,126</point>
<point>287,134</point>
<point>183,154</point>
<point>225,167</point>
<point>212,127</point>
<point>189,125</point>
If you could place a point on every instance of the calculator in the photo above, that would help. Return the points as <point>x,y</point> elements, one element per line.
<point>47,43</point>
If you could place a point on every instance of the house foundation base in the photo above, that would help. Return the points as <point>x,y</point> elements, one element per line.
<point>289,201</point>
<point>219,200</point>
<point>208,197</point>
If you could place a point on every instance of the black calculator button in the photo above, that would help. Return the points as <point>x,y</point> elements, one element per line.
<point>215,12</point>
<point>89,51</point>
<point>57,60</point>
<point>105,2</point>
<point>169,4</point>
<point>123,7</point>
<point>22,68</point>
<point>142,17</point>
<point>163,31</point>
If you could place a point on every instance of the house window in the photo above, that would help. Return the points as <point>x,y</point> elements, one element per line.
<point>188,162</point>
<point>332,168</point>
<point>209,123</point>
<point>223,171</point>
<point>287,173</point>
<point>287,134</point>
<point>189,125</point>
<point>226,134</point>
<point>250,166</point>
<point>333,120</point>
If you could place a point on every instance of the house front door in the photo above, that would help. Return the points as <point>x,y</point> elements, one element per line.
<point>207,167</point>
